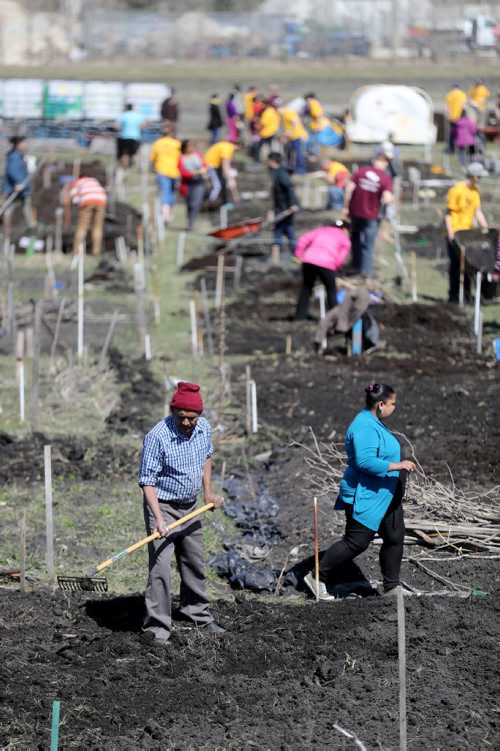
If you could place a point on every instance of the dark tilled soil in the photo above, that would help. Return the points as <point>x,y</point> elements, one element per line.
<point>280,678</point>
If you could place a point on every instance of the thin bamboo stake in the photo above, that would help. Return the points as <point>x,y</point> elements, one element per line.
<point>36,366</point>
<point>22,549</point>
<point>81,261</point>
<point>107,341</point>
<point>206,315</point>
<point>402,669</point>
<point>57,331</point>
<point>461,294</point>
<point>288,345</point>
<point>316,547</point>
<point>47,460</point>
<point>219,283</point>
<point>413,275</point>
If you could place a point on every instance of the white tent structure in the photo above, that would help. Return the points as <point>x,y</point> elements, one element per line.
<point>402,113</point>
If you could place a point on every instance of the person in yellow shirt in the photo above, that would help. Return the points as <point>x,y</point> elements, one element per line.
<point>268,126</point>
<point>455,101</point>
<point>218,161</point>
<point>317,122</point>
<point>478,95</point>
<point>164,156</point>
<point>463,206</point>
<point>248,104</point>
<point>294,136</point>
<point>337,175</point>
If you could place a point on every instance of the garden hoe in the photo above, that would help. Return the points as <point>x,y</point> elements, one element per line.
<point>91,583</point>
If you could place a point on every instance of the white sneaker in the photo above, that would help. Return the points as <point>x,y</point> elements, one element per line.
<point>323,592</point>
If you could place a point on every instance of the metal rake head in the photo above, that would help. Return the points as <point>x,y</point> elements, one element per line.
<point>82,583</point>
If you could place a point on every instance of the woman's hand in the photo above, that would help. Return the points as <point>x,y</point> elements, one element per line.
<point>407,465</point>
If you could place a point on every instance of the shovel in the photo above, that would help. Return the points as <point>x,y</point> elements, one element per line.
<point>91,583</point>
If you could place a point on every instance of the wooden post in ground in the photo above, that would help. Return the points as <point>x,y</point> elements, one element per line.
<point>20,373</point>
<point>206,315</point>
<point>219,282</point>
<point>413,275</point>
<point>57,331</point>
<point>81,261</point>
<point>36,365</point>
<point>107,341</point>
<point>22,549</point>
<point>316,547</point>
<point>139,298</point>
<point>288,345</point>
<point>47,462</point>
<point>461,293</point>
<point>402,669</point>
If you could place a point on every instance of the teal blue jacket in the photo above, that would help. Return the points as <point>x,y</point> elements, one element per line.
<point>367,482</point>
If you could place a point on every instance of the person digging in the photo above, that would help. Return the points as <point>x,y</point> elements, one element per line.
<point>176,463</point>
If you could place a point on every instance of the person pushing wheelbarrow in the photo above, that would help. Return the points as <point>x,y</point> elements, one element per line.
<point>176,463</point>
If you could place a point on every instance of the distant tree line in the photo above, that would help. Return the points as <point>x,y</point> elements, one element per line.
<point>238,6</point>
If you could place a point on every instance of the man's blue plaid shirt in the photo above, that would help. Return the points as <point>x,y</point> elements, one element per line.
<point>172,463</point>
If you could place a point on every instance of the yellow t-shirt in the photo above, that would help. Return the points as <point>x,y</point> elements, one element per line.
<point>456,99</point>
<point>462,203</point>
<point>165,154</point>
<point>292,125</point>
<point>248,101</point>
<point>218,152</point>
<point>337,168</point>
<point>479,94</point>
<point>318,120</point>
<point>270,120</point>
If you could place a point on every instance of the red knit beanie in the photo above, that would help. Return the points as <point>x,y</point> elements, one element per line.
<point>187,397</point>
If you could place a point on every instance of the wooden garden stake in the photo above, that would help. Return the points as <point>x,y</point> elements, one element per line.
<point>156,294</point>
<point>248,378</point>
<point>413,272</point>
<point>22,549</point>
<point>20,372</point>
<point>199,321</point>
<point>57,331</point>
<point>36,366</point>
<point>288,345</point>
<point>58,232</point>
<point>194,332</point>
<point>139,296</point>
<point>253,397</point>
<point>147,347</point>
<point>479,343</point>
<point>219,283</point>
<point>107,341</point>
<point>181,244</point>
<point>316,547</point>
<point>461,295</point>
<point>477,303</point>
<point>81,261</point>
<point>206,315</point>
<point>47,462</point>
<point>275,255</point>
<point>402,669</point>
<point>223,216</point>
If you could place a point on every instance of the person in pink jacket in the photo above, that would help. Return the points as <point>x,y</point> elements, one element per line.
<point>323,251</point>
<point>465,137</point>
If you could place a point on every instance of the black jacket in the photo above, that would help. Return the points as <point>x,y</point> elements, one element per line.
<point>214,115</point>
<point>282,189</point>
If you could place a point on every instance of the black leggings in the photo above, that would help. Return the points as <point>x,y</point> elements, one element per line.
<point>357,538</point>
<point>309,274</point>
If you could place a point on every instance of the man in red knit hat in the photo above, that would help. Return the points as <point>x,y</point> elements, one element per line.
<point>176,463</point>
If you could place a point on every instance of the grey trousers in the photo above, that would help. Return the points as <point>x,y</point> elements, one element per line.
<point>186,542</point>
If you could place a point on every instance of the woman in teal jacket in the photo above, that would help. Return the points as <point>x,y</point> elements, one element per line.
<point>370,492</point>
